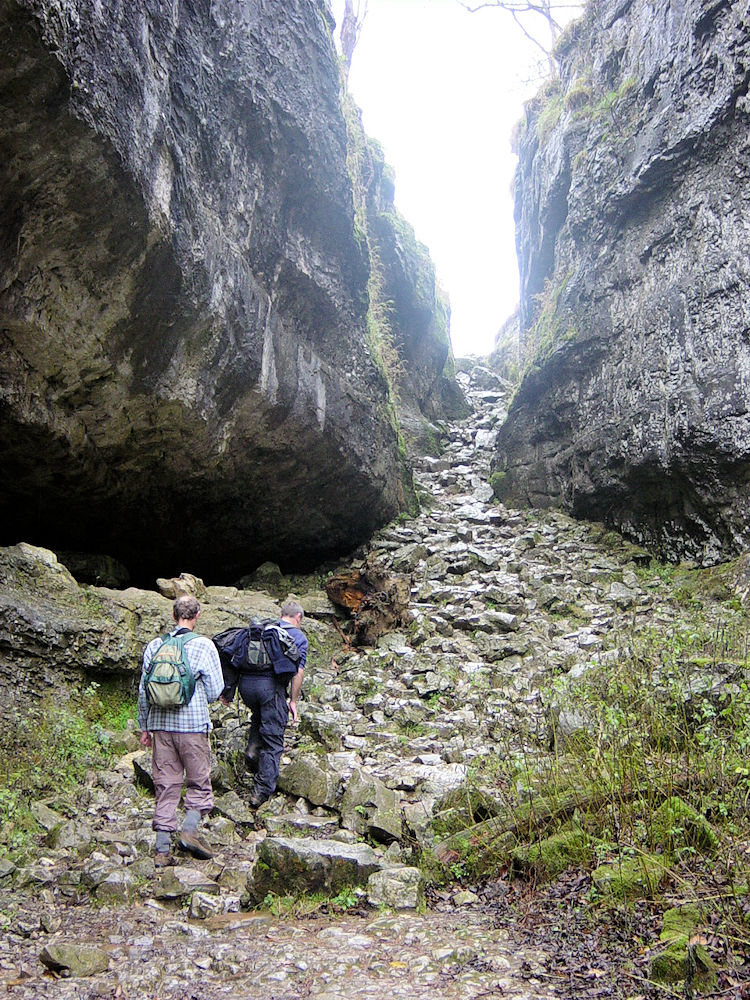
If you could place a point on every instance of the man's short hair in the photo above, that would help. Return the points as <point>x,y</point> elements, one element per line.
<point>185,608</point>
<point>291,608</point>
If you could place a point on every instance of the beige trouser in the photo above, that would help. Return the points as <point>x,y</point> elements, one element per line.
<point>180,757</point>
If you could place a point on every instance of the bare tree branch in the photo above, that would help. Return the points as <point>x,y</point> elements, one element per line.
<point>520,8</point>
<point>543,7</point>
<point>351,28</point>
<point>531,38</point>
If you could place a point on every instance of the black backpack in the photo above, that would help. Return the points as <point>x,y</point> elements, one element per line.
<point>248,649</point>
<point>242,648</point>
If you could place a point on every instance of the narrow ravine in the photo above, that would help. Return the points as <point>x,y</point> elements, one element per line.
<point>500,601</point>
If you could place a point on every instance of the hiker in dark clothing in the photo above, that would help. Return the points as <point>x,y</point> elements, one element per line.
<point>265,694</point>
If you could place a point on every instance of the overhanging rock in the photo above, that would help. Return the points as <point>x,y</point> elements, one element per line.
<point>186,376</point>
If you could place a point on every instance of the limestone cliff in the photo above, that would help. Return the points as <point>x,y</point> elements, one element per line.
<point>632,210</point>
<point>418,310</point>
<point>187,378</point>
<point>409,314</point>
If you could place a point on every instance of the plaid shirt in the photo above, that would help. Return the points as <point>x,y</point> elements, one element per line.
<point>209,683</point>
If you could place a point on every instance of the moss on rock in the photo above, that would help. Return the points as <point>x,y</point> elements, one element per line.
<point>633,878</point>
<point>550,857</point>
<point>677,825</point>
<point>684,957</point>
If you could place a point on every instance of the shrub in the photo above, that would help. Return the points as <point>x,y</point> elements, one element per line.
<point>50,749</point>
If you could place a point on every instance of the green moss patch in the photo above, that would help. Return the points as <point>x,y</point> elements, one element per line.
<point>550,857</point>
<point>632,878</point>
<point>685,956</point>
<point>677,825</point>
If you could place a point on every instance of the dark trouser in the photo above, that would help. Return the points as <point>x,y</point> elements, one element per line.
<point>265,696</point>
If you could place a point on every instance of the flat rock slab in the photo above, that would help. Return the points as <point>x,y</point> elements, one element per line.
<point>182,881</point>
<point>74,959</point>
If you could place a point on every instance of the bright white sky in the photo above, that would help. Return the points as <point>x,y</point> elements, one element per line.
<point>440,89</point>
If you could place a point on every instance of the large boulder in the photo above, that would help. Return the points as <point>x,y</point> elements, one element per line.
<point>309,776</point>
<point>75,960</point>
<point>632,214</point>
<point>370,808</point>
<point>300,865</point>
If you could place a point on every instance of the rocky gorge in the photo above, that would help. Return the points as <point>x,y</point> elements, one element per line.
<point>396,737</point>
<point>520,767</point>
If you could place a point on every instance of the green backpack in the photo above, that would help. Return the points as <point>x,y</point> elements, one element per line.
<point>169,681</point>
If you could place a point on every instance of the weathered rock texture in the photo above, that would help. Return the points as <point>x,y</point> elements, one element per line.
<point>54,631</point>
<point>633,221</point>
<point>183,293</point>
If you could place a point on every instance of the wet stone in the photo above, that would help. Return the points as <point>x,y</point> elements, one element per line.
<point>7,867</point>
<point>182,881</point>
<point>398,888</point>
<point>233,808</point>
<point>306,776</point>
<point>302,865</point>
<point>117,887</point>
<point>74,960</point>
<point>319,826</point>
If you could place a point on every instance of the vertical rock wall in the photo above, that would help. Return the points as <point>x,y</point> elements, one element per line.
<point>409,314</point>
<point>633,221</point>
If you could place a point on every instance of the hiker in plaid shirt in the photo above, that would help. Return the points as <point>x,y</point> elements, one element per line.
<point>179,738</point>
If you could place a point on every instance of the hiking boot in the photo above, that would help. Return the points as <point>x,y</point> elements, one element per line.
<point>194,845</point>
<point>163,860</point>
<point>256,799</point>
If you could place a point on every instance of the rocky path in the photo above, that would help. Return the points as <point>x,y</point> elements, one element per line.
<point>159,953</point>
<point>500,600</point>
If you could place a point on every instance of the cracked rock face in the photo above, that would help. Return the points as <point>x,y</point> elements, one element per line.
<point>182,297</point>
<point>633,216</point>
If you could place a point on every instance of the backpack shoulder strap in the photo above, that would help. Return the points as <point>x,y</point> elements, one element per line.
<point>162,639</point>
<point>182,637</point>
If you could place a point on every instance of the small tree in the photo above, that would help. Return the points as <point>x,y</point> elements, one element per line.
<point>355,12</point>
<point>519,9</point>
